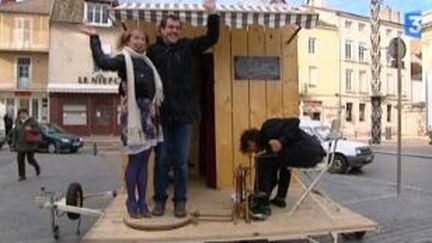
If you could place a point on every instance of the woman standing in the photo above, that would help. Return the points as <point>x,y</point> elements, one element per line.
<point>23,124</point>
<point>141,91</point>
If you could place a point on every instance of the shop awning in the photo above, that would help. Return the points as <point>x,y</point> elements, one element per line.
<point>237,16</point>
<point>82,88</point>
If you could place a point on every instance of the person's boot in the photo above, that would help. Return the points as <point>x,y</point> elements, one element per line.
<point>37,169</point>
<point>260,206</point>
<point>158,209</point>
<point>21,178</point>
<point>180,210</point>
<point>279,202</point>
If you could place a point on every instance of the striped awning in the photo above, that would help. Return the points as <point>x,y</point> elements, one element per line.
<point>237,16</point>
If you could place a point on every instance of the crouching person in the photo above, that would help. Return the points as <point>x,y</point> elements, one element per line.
<point>280,144</point>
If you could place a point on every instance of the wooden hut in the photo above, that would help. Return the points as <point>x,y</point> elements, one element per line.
<point>249,75</point>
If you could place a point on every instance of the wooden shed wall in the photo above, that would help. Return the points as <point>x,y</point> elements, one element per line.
<point>241,104</point>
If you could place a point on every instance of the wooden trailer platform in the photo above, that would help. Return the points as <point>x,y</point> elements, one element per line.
<point>309,220</point>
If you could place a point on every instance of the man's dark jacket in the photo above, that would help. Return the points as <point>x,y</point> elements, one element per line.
<point>174,63</point>
<point>298,147</point>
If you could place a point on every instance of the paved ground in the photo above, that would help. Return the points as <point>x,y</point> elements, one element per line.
<point>22,221</point>
<point>403,218</point>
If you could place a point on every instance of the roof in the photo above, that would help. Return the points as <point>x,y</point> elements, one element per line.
<point>30,7</point>
<point>239,16</point>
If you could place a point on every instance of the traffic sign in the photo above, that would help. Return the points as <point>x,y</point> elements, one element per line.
<point>413,24</point>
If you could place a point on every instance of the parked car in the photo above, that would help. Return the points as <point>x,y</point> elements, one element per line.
<point>349,155</point>
<point>55,139</point>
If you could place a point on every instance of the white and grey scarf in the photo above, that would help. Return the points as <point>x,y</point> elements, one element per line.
<point>135,135</point>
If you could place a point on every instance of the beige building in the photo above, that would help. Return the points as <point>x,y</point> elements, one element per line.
<point>319,72</point>
<point>83,99</point>
<point>351,75</point>
<point>24,45</point>
<point>427,54</point>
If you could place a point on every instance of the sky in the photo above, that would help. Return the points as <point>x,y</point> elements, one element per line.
<point>362,6</point>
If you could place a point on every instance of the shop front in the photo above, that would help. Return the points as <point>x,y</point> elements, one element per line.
<point>87,107</point>
<point>36,102</point>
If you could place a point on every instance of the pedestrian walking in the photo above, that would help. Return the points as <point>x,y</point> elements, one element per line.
<point>8,121</point>
<point>25,137</point>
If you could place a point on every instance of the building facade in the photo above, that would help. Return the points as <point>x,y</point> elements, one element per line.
<point>426,42</point>
<point>24,48</point>
<point>352,74</point>
<point>84,99</point>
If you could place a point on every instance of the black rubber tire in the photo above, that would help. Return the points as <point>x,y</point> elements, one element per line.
<point>75,198</point>
<point>340,165</point>
<point>52,148</point>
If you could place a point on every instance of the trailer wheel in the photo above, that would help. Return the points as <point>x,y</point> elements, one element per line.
<point>354,235</point>
<point>74,197</point>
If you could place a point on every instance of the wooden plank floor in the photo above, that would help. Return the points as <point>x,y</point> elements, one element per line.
<point>308,220</point>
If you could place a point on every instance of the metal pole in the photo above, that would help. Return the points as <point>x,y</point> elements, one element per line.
<point>399,115</point>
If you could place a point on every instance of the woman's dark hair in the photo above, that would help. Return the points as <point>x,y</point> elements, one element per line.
<point>248,135</point>
<point>127,34</point>
<point>22,110</point>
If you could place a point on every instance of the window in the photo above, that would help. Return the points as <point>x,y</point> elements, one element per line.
<point>313,76</point>
<point>363,82</point>
<point>23,32</point>
<point>389,115</point>
<point>311,45</point>
<point>362,109</point>
<point>362,52</point>
<point>75,115</point>
<point>97,14</point>
<point>348,79</point>
<point>35,109</point>
<point>390,84</point>
<point>361,27</point>
<point>348,112</point>
<point>348,24</point>
<point>23,73</point>
<point>348,51</point>
<point>399,33</point>
<point>388,32</point>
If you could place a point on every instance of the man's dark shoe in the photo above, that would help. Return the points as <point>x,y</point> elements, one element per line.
<point>279,202</point>
<point>158,209</point>
<point>21,178</point>
<point>180,210</point>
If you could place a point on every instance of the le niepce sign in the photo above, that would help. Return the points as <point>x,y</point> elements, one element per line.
<point>256,68</point>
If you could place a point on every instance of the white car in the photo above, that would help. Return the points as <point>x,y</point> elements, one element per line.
<point>349,155</point>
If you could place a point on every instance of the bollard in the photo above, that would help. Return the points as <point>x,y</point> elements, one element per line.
<point>94,149</point>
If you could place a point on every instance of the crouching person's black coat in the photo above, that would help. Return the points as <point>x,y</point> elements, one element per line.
<point>299,149</point>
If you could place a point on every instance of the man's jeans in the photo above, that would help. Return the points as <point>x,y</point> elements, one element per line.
<point>173,152</point>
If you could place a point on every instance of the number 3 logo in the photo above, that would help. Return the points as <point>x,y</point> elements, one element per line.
<point>415,23</point>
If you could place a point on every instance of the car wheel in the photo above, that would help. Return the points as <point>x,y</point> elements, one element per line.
<point>75,198</point>
<point>52,148</point>
<point>339,165</point>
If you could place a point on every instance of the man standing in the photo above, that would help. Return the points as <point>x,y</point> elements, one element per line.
<point>172,57</point>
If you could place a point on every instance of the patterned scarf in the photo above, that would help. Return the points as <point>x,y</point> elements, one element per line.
<point>135,135</point>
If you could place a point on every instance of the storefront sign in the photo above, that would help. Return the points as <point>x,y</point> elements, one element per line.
<point>256,68</point>
<point>98,79</point>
